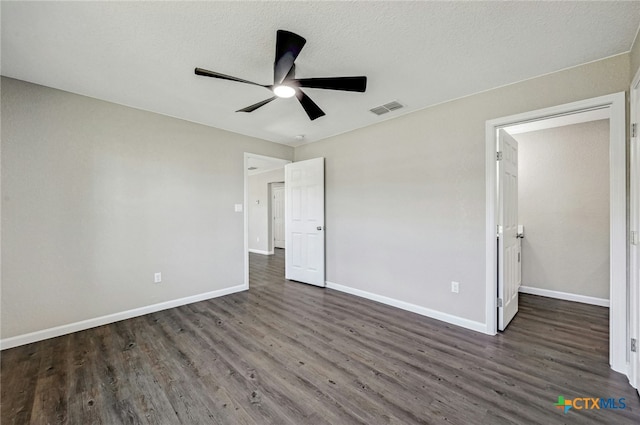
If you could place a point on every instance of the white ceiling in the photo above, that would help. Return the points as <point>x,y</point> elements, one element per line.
<point>142,54</point>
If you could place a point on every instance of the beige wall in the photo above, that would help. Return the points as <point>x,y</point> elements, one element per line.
<point>635,57</point>
<point>405,199</point>
<point>97,197</point>
<point>259,213</point>
<point>564,205</point>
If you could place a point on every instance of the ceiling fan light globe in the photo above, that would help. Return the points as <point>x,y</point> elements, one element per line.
<point>284,91</point>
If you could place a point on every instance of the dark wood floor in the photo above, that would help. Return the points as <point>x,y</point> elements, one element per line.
<point>289,353</point>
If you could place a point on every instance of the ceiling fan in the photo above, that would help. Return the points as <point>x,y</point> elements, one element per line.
<point>285,84</point>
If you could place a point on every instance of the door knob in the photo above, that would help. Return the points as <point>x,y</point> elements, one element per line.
<point>319,228</point>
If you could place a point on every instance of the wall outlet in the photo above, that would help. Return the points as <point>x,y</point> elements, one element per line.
<point>157,277</point>
<point>258,239</point>
<point>455,287</point>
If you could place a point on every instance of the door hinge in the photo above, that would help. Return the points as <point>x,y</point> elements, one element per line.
<point>499,302</point>
<point>633,238</point>
<point>634,130</point>
<point>499,156</point>
<point>634,345</point>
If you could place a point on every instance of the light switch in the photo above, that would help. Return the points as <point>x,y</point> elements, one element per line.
<point>238,207</point>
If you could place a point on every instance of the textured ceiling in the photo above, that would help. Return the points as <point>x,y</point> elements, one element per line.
<point>142,54</point>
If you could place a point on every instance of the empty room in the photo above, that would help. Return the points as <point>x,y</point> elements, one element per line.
<point>312,212</point>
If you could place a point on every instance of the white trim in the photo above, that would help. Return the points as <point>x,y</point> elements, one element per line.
<point>259,251</point>
<point>271,227</point>
<point>491,251</point>
<point>403,305</point>
<point>618,323</point>
<point>111,318</point>
<point>634,224</point>
<point>245,217</point>
<point>602,302</point>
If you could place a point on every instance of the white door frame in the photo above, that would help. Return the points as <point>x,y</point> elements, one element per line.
<point>618,322</point>
<point>634,222</point>
<point>272,229</point>
<point>245,209</point>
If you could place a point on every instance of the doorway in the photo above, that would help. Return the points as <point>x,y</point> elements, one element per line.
<point>304,228</point>
<point>615,105</point>
<point>262,176</point>
<point>563,206</point>
<point>560,204</point>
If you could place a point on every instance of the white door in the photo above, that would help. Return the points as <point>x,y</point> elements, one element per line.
<point>277,207</point>
<point>508,242</point>
<point>634,257</point>
<point>304,221</point>
<point>634,246</point>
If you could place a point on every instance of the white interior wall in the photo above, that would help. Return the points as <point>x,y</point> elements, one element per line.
<point>97,197</point>
<point>564,205</point>
<point>405,199</point>
<point>259,210</point>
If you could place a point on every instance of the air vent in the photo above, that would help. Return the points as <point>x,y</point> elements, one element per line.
<point>392,106</point>
<point>379,110</point>
<point>387,107</point>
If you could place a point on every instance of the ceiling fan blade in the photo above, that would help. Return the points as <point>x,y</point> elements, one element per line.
<point>206,73</point>
<point>309,105</point>
<point>256,105</point>
<point>288,47</point>
<point>358,84</point>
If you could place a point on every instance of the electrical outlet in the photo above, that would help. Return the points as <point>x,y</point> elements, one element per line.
<point>258,239</point>
<point>157,277</point>
<point>455,287</point>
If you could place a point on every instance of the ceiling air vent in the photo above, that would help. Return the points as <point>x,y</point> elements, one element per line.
<point>387,107</point>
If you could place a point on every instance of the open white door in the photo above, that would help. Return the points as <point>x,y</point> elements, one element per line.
<point>634,243</point>
<point>304,221</point>
<point>634,260</point>
<point>508,242</point>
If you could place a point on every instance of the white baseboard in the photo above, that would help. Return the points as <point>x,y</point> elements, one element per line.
<point>424,311</point>
<point>602,302</point>
<point>259,251</point>
<point>115,317</point>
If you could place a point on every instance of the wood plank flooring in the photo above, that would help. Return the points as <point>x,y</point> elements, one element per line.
<point>289,353</point>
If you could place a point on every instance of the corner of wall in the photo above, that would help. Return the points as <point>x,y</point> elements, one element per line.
<point>634,54</point>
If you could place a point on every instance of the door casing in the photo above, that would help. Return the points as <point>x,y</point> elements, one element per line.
<point>276,188</point>
<point>634,222</point>
<point>618,322</point>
